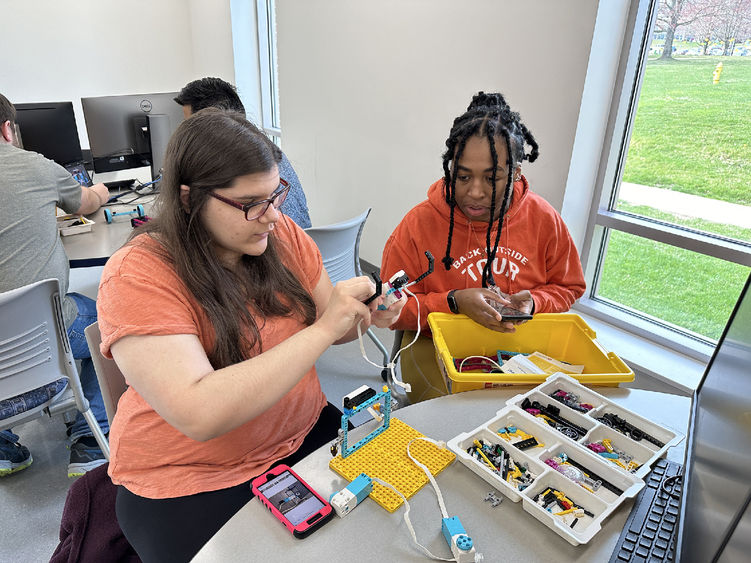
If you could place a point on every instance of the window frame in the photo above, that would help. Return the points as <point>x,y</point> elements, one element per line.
<point>604,218</point>
<point>267,61</point>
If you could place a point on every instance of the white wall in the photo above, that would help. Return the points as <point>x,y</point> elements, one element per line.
<point>62,50</point>
<point>369,91</point>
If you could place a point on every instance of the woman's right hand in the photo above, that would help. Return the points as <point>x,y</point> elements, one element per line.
<point>473,302</point>
<point>345,307</point>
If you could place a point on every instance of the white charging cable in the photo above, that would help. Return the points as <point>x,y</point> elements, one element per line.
<point>477,556</point>
<point>392,364</point>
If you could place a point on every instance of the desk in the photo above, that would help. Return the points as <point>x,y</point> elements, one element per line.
<point>370,533</point>
<point>96,246</point>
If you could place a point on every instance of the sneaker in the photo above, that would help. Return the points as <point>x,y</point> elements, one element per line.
<point>13,458</point>
<point>85,455</point>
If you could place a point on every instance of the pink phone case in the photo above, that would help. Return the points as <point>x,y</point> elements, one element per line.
<point>291,500</point>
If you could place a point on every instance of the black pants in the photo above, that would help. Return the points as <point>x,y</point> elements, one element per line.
<point>175,529</point>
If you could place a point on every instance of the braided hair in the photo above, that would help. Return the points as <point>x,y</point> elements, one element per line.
<point>489,116</point>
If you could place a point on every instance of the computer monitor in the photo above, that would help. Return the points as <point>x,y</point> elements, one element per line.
<point>715,518</point>
<point>49,128</point>
<point>130,131</point>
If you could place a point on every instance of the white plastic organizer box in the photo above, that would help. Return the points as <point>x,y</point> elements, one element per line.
<point>569,454</point>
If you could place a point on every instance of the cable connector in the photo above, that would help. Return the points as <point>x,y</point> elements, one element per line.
<point>460,543</point>
<point>350,496</point>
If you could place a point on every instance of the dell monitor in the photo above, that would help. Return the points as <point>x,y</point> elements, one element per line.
<point>130,131</point>
<point>49,128</point>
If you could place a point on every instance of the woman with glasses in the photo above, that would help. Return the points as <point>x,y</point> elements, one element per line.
<point>216,312</point>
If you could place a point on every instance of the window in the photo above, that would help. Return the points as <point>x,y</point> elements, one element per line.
<point>266,17</point>
<point>668,248</point>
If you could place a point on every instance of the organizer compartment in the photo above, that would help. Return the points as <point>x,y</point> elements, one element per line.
<point>641,455</point>
<point>463,442</point>
<point>614,484</point>
<point>653,438</point>
<point>512,417</point>
<point>572,424</point>
<point>586,526</point>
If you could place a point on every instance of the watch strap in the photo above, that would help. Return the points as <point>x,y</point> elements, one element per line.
<point>451,300</point>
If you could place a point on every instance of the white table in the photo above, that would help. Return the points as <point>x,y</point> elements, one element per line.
<point>94,248</point>
<point>370,533</point>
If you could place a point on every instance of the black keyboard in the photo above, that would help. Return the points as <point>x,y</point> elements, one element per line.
<point>119,184</point>
<point>652,526</point>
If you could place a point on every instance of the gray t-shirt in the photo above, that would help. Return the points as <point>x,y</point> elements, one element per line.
<point>30,246</point>
<point>295,206</point>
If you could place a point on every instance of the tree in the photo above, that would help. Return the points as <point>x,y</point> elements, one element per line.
<point>675,13</point>
<point>704,31</point>
<point>733,24</point>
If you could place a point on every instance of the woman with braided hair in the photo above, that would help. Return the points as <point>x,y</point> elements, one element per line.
<point>500,242</point>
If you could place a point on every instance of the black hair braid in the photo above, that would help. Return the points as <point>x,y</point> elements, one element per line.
<point>491,252</point>
<point>487,270</point>
<point>451,195</point>
<point>530,140</point>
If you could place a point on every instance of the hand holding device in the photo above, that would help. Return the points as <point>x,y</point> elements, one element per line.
<point>291,500</point>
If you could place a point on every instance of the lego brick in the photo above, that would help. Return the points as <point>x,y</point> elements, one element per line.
<point>385,457</point>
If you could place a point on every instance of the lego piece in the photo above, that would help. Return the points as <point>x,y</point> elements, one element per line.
<point>353,494</point>
<point>385,457</point>
<point>348,413</point>
<point>460,543</point>
<point>624,427</point>
<point>358,396</point>
<point>494,499</point>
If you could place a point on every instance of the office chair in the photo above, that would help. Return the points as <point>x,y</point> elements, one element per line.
<point>36,360</point>
<point>340,248</point>
<point>111,380</point>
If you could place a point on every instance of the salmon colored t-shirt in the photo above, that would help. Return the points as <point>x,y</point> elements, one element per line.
<point>141,294</point>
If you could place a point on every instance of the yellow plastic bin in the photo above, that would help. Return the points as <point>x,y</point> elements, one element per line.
<point>563,336</point>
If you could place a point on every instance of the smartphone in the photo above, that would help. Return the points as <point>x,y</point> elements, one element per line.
<point>294,503</point>
<point>511,314</point>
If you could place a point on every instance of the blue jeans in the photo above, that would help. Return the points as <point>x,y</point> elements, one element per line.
<point>80,349</point>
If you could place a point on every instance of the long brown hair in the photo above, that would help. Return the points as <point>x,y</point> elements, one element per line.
<point>208,151</point>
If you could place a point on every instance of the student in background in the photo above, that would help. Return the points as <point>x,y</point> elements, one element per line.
<point>500,242</point>
<point>215,92</point>
<point>31,186</point>
<point>221,363</point>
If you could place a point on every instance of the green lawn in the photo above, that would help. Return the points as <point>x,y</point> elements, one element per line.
<point>692,136</point>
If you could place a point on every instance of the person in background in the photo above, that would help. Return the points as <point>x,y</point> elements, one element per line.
<point>221,364</point>
<point>31,187</point>
<point>502,244</point>
<point>215,92</point>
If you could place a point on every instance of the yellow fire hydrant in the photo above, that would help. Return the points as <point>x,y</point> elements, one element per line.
<point>716,73</point>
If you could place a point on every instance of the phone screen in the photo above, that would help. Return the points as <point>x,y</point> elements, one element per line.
<point>511,314</point>
<point>291,497</point>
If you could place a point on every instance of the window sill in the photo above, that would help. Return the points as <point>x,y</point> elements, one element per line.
<point>646,357</point>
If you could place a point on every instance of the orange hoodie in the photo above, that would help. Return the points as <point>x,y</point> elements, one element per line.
<point>535,252</point>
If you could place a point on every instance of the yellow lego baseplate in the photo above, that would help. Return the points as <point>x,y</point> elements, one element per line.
<point>386,457</point>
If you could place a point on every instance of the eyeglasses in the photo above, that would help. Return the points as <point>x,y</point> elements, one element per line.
<point>257,209</point>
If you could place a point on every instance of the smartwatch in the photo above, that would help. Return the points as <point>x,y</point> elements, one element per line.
<point>453,307</point>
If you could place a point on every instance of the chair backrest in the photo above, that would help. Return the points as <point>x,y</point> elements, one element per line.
<point>340,246</point>
<point>34,346</point>
<point>111,379</point>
